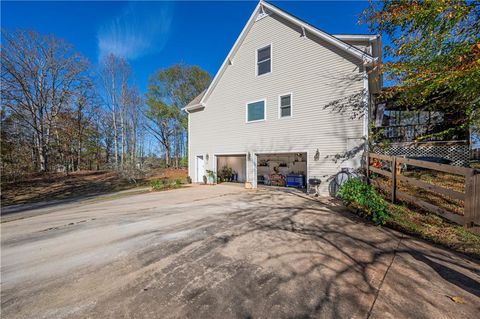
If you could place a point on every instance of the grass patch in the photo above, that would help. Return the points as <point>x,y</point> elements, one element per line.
<point>58,186</point>
<point>165,184</point>
<point>419,223</point>
<point>433,228</point>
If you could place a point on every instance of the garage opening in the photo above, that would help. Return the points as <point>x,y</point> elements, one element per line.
<point>232,168</point>
<point>282,169</point>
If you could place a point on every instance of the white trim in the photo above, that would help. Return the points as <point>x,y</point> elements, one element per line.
<point>356,37</point>
<point>230,54</point>
<point>196,167</point>
<point>194,107</point>
<point>264,111</point>
<point>365,102</point>
<point>246,167</point>
<point>271,60</point>
<point>215,155</point>
<point>366,58</point>
<point>325,36</point>
<point>188,145</point>
<point>254,170</point>
<point>280,105</point>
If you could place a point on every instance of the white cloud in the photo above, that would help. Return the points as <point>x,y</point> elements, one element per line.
<point>142,28</point>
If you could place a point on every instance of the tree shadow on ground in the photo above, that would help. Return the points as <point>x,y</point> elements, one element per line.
<point>278,255</point>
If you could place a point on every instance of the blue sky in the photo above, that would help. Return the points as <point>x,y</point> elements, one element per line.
<point>153,35</point>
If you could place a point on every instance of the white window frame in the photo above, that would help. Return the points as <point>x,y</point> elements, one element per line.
<point>280,105</point>
<point>264,111</point>
<point>271,60</point>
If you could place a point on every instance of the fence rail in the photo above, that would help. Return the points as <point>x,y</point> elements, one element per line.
<point>470,197</point>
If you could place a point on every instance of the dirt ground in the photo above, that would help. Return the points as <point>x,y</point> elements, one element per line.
<point>58,186</point>
<point>225,252</point>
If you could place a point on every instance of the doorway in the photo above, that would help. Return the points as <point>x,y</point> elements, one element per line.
<point>232,168</point>
<point>282,169</point>
<point>200,163</point>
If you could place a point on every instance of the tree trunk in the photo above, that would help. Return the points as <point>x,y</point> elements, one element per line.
<point>79,145</point>
<point>114,114</point>
<point>167,156</point>
<point>122,129</point>
<point>42,155</point>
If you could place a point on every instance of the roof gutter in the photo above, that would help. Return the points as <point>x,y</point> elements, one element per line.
<point>193,107</point>
<point>370,63</point>
<point>356,37</point>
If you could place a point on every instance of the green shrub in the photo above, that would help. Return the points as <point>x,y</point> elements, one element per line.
<point>158,184</point>
<point>163,184</point>
<point>225,174</point>
<point>372,205</point>
<point>177,183</point>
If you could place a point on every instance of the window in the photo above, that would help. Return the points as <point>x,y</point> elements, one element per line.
<point>256,111</point>
<point>285,102</point>
<point>264,60</point>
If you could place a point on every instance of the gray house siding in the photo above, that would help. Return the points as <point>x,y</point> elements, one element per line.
<point>313,71</point>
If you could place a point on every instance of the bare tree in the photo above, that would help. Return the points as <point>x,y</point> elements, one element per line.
<point>39,77</point>
<point>114,72</point>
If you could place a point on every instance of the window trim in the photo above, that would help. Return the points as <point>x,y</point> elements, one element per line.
<point>280,105</point>
<point>264,111</point>
<point>271,60</point>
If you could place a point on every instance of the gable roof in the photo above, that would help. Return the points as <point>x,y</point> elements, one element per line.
<point>263,8</point>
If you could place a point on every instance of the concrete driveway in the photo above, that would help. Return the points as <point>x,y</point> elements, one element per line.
<point>224,252</point>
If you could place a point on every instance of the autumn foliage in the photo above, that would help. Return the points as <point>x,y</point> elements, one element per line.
<point>432,56</point>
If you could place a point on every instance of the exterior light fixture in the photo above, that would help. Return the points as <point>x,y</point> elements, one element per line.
<point>317,155</point>
<point>206,157</point>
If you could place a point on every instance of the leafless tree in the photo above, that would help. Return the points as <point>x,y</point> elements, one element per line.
<point>39,75</point>
<point>114,73</point>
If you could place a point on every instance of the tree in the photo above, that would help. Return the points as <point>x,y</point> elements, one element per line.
<point>52,116</point>
<point>168,91</point>
<point>433,59</point>
<point>114,73</point>
<point>39,77</point>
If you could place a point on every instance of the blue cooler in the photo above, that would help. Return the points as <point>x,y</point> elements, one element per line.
<point>295,181</point>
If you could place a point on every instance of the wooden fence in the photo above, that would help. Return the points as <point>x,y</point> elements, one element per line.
<point>470,197</point>
<point>475,154</point>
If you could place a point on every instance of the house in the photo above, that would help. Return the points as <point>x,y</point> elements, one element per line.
<point>266,113</point>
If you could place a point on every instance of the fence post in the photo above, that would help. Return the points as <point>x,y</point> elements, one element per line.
<point>368,167</point>
<point>472,199</point>
<point>394,179</point>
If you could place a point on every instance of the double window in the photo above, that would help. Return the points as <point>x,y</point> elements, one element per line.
<point>285,105</point>
<point>256,111</point>
<point>264,60</point>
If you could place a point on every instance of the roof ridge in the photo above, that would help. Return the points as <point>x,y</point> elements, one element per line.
<point>365,57</point>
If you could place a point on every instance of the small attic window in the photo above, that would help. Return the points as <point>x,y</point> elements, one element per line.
<point>264,60</point>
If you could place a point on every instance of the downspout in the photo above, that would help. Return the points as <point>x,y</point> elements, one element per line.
<point>188,146</point>
<point>366,103</point>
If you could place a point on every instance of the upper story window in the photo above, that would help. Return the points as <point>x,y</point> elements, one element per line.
<point>285,105</point>
<point>264,60</point>
<point>256,111</point>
